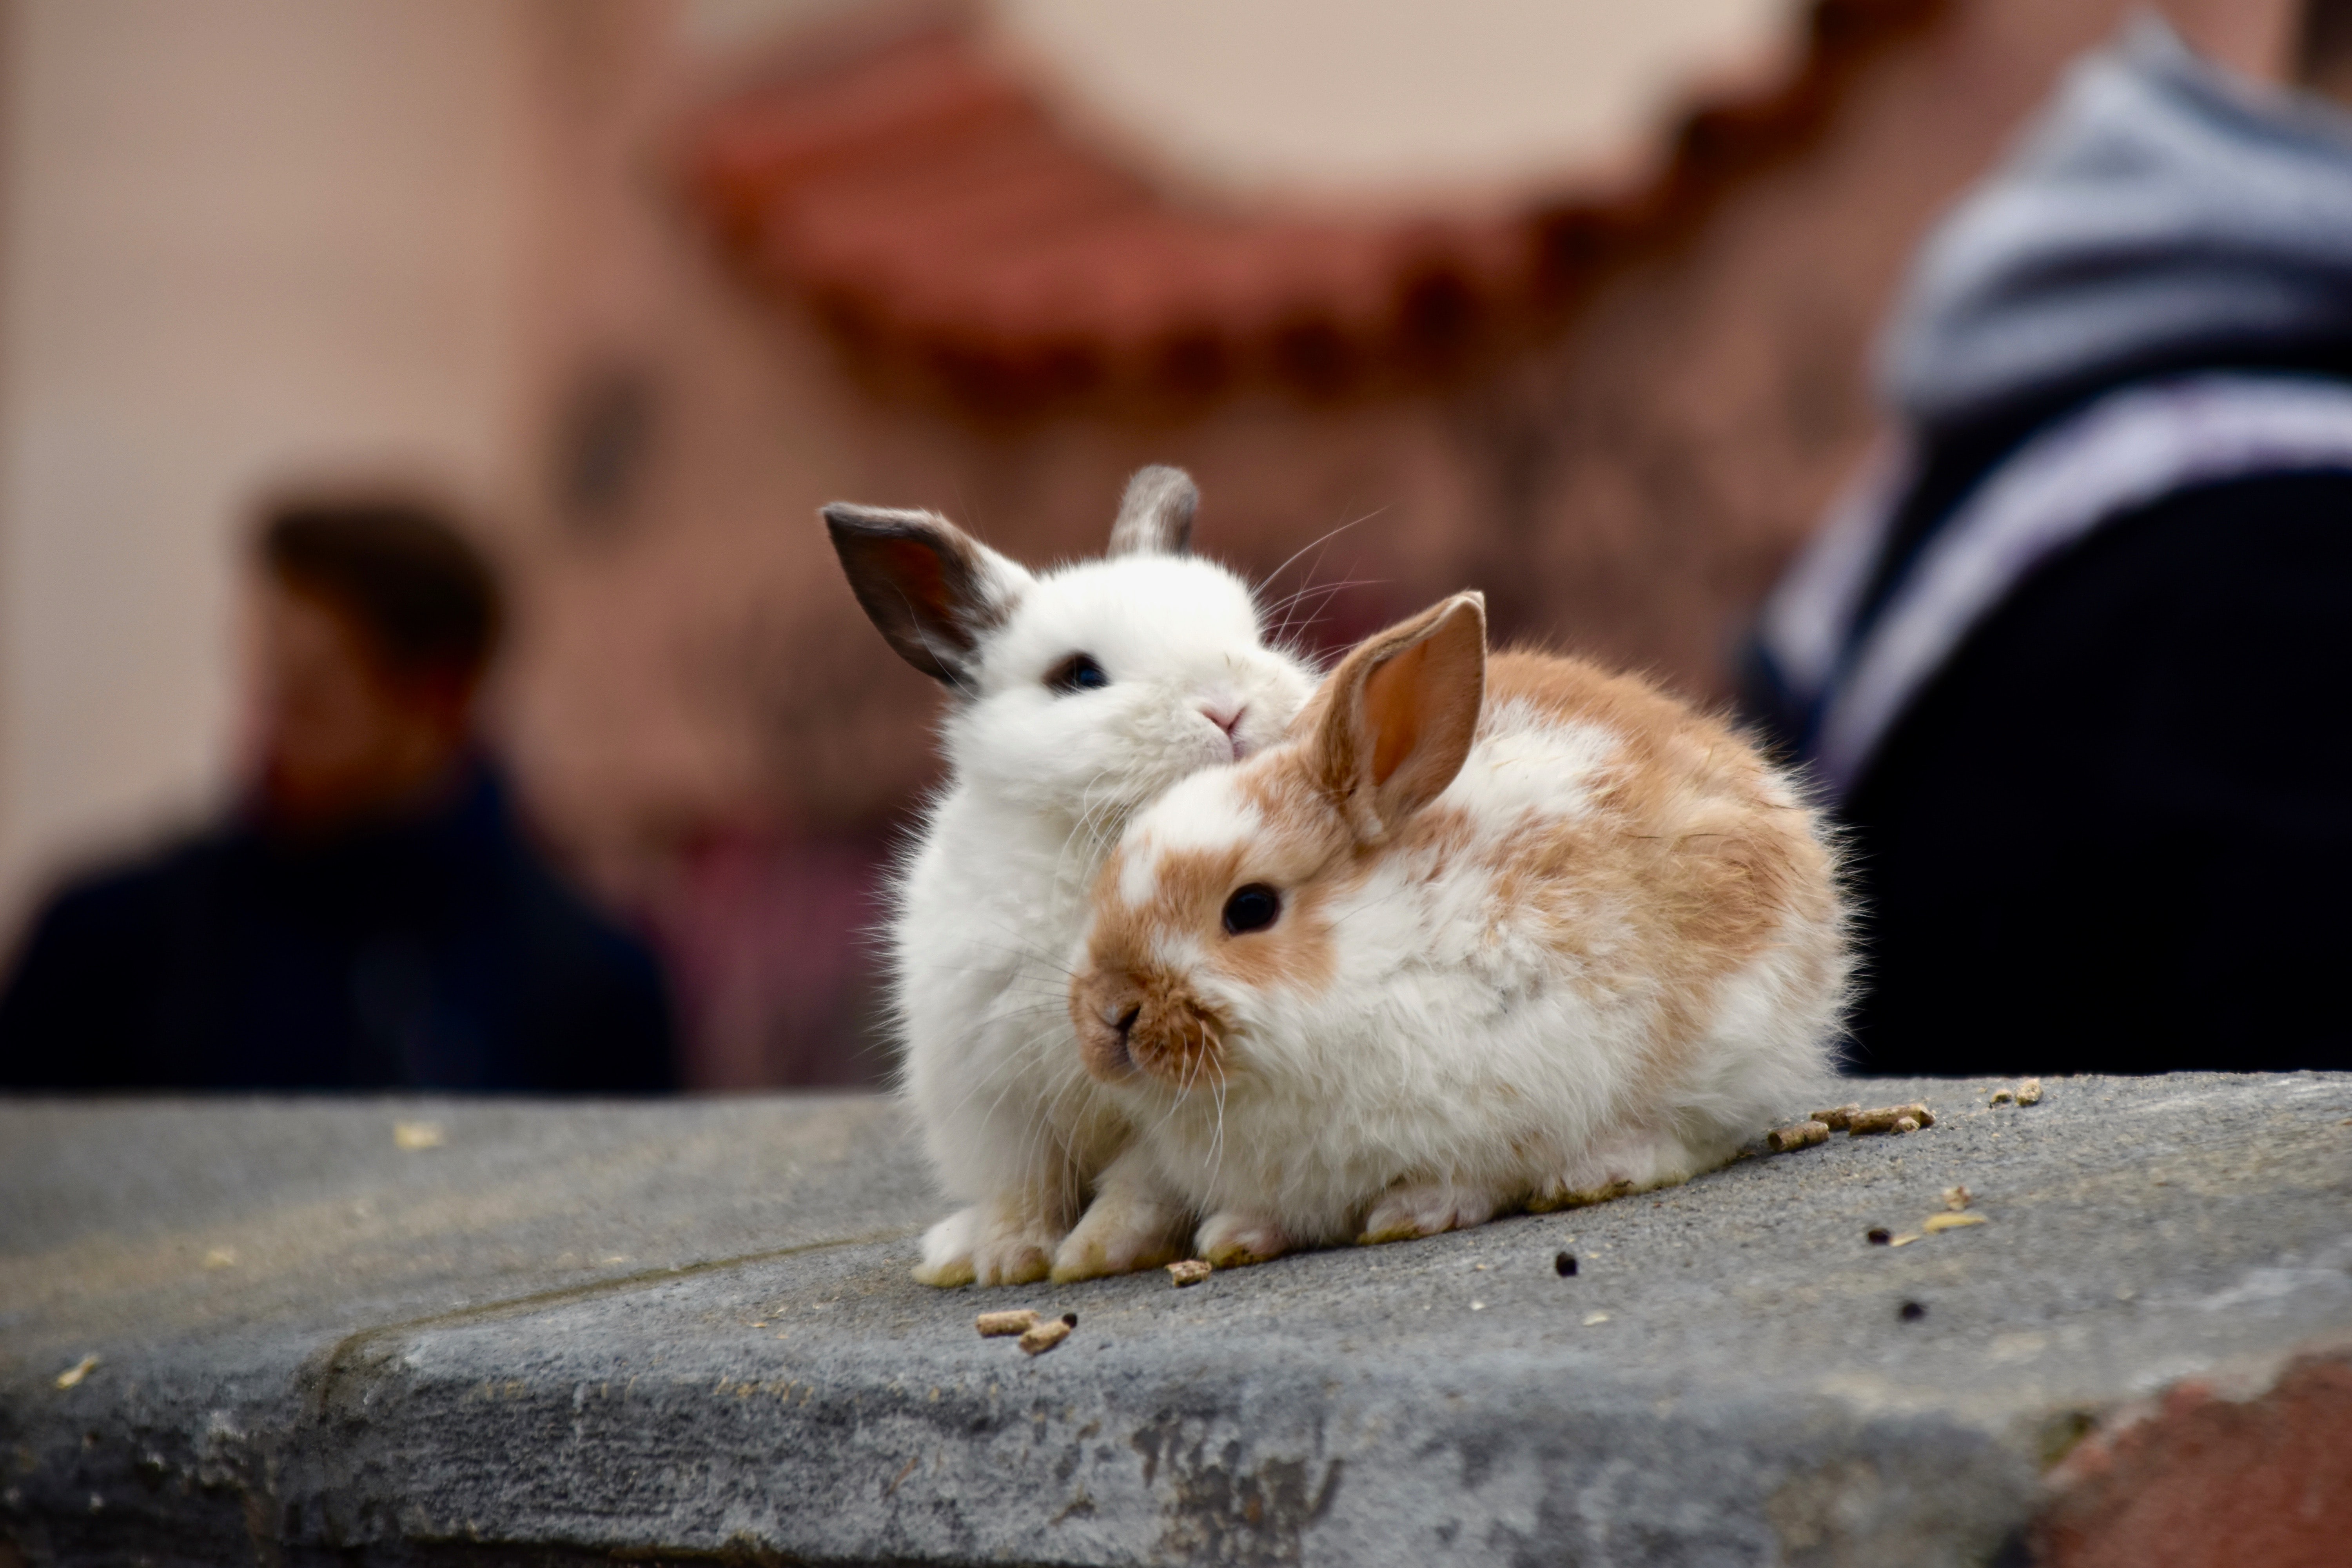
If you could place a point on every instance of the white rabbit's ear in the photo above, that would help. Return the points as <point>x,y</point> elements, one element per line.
<point>1155,515</point>
<point>1399,714</point>
<point>932,589</point>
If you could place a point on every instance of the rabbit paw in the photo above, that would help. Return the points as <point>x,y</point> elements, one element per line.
<point>1123,1232</point>
<point>1617,1168</point>
<point>983,1246</point>
<point>1230,1239</point>
<point>1413,1209</point>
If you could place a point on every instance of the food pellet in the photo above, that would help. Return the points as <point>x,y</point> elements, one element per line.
<point>2029,1092</point>
<point>997,1325</point>
<point>2003,1097</point>
<point>1803,1135</point>
<point>1907,1124</point>
<point>1837,1116</point>
<point>1957,1198</point>
<point>1046,1336</point>
<point>1191,1272</point>
<point>1950,1222</point>
<point>1864,1123</point>
<point>416,1135</point>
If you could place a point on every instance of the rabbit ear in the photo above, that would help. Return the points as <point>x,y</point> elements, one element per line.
<point>932,590</point>
<point>1399,714</point>
<point>1155,515</point>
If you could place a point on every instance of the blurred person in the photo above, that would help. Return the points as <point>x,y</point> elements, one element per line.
<point>369,915</point>
<point>2074,662</point>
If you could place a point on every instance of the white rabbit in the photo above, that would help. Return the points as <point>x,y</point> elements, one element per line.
<point>1480,935</point>
<point>1076,695</point>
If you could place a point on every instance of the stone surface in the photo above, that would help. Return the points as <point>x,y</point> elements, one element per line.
<point>562,1333</point>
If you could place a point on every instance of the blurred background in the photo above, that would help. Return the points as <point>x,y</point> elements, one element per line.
<point>1567,300</point>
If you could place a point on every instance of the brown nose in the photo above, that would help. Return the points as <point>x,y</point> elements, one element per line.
<point>1103,1006</point>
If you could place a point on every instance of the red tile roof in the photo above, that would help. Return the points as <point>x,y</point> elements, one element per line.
<point>935,214</point>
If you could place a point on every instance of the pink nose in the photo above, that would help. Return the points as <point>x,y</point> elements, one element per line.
<point>1222,719</point>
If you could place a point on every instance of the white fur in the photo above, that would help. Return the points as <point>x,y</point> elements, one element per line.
<point>1459,1064</point>
<point>992,898</point>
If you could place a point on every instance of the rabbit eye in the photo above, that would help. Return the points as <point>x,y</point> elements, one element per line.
<point>1079,673</point>
<point>1250,909</point>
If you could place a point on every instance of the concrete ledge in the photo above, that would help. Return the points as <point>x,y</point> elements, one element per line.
<point>565,1334</point>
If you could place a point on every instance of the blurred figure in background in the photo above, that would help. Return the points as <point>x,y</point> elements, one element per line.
<point>371,916</point>
<point>2075,663</point>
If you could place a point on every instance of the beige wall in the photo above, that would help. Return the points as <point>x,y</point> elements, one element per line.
<point>244,239</point>
<point>1354,99</point>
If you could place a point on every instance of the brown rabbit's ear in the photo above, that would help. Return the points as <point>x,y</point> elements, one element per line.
<point>932,590</point>
<point>1400,713</point>
<point>1155,515</point>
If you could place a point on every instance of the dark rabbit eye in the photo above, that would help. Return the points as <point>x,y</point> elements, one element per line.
<point>1079,673</point>
<point>1250,909</point>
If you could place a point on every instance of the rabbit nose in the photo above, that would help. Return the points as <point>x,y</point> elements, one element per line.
<point>1228,718</point>
<point>1125,1021</point>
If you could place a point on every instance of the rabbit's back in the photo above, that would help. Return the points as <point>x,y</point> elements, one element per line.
<point>1661,856</point>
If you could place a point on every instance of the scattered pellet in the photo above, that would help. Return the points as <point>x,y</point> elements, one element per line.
<point>997,1325</point>
<point>1803,1135</point>
<point>73,1375</point>
<point>1921,1114</point>
<point>1191,1272</point>
<point>1911,1312</point>
<point>2003,1097</point>
<point>2029,1092</point>
<point>1937,1222</point>
<point>1957,1198</point>
<point>1594,1319</point>
<point>1564,1265</point>
<point>1837,1116</point>
<point>1862,1124</point>
<point>1907,1124</point>
<point>416,1135</point>
<point>1878,1235</point>
<point>1047,1334</point>
<point>1905,1239</point>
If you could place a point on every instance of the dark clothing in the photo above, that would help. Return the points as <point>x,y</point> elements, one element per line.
<point>2069,670</point>
<point>434,952</point>
<point>2110,836</point>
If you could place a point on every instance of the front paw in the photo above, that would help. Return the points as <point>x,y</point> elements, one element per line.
<point>1230,1240</point>
<point>1414,1209</point>
<point>1120,1234</point>
<point>975,1247</point>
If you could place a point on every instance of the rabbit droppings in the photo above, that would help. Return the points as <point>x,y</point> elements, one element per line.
<point>1483,934</point>
<point>1076,695</point>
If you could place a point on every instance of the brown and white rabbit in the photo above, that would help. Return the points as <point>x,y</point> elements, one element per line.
<point>1480,934</point>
